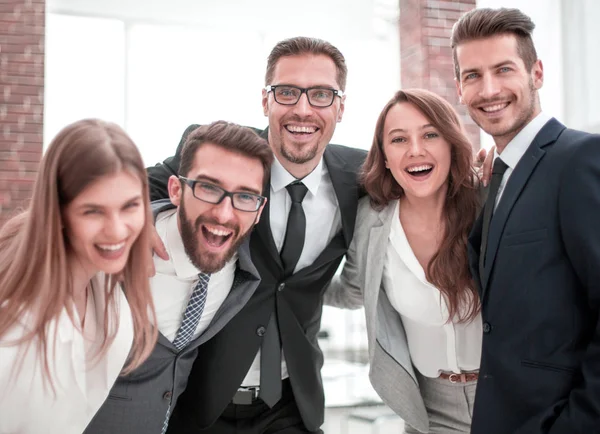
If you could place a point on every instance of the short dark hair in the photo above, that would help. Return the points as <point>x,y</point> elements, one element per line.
<point>229,136</point>
<point>303,45</point>
<point>487,22</point>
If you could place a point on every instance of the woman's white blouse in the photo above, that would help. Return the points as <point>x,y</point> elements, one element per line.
<point>28,405</point>
<point>435,344</point>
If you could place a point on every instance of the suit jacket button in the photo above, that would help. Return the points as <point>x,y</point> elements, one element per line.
<point>487,327</point>
<point>167,396</point>
<point>280,287</point>
<point>261,331</point>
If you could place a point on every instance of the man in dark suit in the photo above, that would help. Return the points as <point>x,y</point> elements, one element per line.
<point>213,204</point>
<point>535,250</point>
<point>261,372</point>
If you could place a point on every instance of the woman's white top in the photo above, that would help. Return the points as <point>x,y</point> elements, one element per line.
<point>435,344</point>
<point>81,381</point>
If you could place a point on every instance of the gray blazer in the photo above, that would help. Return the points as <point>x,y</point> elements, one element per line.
<point>391,371</point>
<point>138,402</point>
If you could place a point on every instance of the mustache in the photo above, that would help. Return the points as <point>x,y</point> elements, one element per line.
<point>297,118</point>
<point>209,221</point>
<point>495,100</point>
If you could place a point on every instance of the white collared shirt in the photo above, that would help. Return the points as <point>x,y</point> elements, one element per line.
<point>435,345</point>
<point>323,222</point>
<point>82,382</point>
<point>516,148</point>
<point>174,281</point>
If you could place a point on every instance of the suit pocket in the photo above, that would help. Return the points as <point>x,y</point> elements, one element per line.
<point>119,391</point>
<point>548,366</point>
<point>526,237</point>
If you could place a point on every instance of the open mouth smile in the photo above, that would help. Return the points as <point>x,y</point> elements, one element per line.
<point>216,237</point>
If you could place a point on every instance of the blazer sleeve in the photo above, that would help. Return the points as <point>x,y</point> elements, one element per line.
<point>346,289</point>
<point>579,217</point>
<point>158,176</point>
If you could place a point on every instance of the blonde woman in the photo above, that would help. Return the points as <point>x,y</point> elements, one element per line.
<point>75,306</point>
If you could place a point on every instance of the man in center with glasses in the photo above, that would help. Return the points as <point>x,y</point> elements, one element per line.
<point>215,201</point>
<point>261,373</point>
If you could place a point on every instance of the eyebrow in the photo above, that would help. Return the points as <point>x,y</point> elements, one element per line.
<point>96,205</point>
<point>324,86</point>
<point>402,130</point>
<point>497,65</point>
<point>240,189</point>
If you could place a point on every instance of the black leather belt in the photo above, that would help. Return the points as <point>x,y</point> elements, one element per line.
<point>245,395</point>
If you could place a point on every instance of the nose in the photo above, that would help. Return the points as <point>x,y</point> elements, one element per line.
<point>489,87</point>
<point>223,212</point>
<point>116,228</point>
<point>303,107</point>
<point>416,148</point>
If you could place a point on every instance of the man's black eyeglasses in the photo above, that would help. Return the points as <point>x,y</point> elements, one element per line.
<point>210,193</point>
<point>317,96</point>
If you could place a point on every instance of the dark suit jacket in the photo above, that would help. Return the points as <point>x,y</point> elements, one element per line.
<point>138,402</point>
<point>540,292</point>
<point>224,361</point>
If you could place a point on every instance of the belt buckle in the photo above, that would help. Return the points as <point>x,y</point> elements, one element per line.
<point>453,378</point>
<point>245,396</point>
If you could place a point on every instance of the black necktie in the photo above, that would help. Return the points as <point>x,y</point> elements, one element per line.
<point>497,174</point>
<point>296,228</point>
<point>270,355</point>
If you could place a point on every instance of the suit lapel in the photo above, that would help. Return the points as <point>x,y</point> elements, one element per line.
<point>346,191</point>
<point>376,250</point>
<point>517,181</point>
<point>262,231</point>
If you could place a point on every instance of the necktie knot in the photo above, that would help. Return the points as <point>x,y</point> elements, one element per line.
<point>499,167</point>
<point>297,191</point>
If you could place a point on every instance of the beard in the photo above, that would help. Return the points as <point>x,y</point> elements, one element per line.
<point>522,118</point>
<point>208,262</point>
<point>298,156</point>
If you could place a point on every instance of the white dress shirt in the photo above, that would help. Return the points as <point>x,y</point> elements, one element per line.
<point>435,344</point>
<point>174,281</point>
<point>81,381</point>
<point>323,222</point>
<point>516,148</point>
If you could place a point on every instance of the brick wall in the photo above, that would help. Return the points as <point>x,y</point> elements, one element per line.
<point>21,99</point>
<point>426,57</point>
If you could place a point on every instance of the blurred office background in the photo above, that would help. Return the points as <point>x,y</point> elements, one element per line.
<point>156,66</point>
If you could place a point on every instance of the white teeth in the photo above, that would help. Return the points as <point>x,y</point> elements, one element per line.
<point>494,108</point>
<point>218,232</point>
<point>111,247</point>
<point>300,129</point>
<point>419,168</point>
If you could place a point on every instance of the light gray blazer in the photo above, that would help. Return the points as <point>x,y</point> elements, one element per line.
<point>391,371</point>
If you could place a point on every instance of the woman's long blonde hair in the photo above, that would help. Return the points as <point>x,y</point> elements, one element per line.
<point>34,270</point>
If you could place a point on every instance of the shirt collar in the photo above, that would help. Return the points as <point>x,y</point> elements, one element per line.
<point>517,147</point>
<point>184,269</point>
<point>280,177</point>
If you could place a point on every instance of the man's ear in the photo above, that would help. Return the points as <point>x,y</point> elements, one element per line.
<point>458,90</point>
<point>341,110</point>
<point>537,74</point>
<point>259,212</point>
<point>175,190</point>
<point>265,102</point>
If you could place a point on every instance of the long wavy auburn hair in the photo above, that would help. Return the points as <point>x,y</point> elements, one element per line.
<point>34,269</point>
<point>448,269</point>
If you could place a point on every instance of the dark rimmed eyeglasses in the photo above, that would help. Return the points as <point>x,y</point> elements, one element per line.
<point>211,193</point>
<point>317,96</point>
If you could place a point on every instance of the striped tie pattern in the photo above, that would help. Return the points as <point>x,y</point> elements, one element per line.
<point>189,323</point>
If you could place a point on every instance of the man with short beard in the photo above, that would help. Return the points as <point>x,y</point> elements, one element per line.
<point>535,249</point>
<point>215,201</point>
